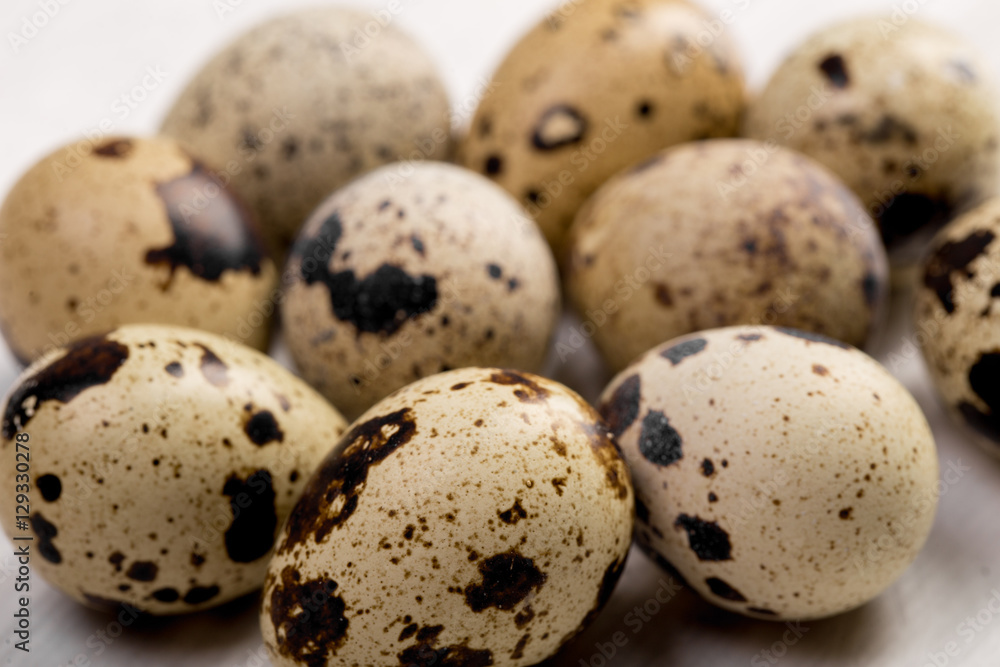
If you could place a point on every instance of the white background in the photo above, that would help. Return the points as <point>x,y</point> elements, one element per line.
<point>67,78</point>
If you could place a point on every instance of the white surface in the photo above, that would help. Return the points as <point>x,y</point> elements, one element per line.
<point>65,80</point>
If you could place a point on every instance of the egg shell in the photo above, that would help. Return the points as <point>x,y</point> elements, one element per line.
<point>162,463</point>
<point>301,104</point>
<point>956,317</point>
<point>480,515</point>
<point>127,231</point>
<point>906,114</point>
<point>412,270</point>
<point>593,88</point>
<point>719,233</point>
<point>784,475</point>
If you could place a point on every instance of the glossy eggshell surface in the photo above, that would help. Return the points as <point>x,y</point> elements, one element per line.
<point>300,105</point>
<point>783,474</point>
<point>134,231</point>
<point>906,114</point>
<point>412,270</point>
<point>593,88</point>
<point>956,319</point>
<point>480,515</point>
<point>719,233</point>
<point>162,463</point>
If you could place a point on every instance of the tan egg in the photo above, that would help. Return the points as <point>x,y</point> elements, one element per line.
<point>956,317</point>
<point>128,231</point>
<point>480,516</point>
<point>905,112</point>
<point>159,463</point>
<point>301,104</point>
<point>598,86</point>
<point>719,233</point>
<point>412,270</point>
<point>784,475</point>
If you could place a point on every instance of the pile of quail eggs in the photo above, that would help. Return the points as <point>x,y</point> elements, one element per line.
<point>729,258</point>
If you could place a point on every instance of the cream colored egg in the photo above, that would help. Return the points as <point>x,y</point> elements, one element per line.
<point>956,317</point>
<point>122,232</point>
<point>595,87</point>
<point>785,475</point>
<point>907,114</point>
<point>301,104</point>
<point>719,233</point>
<point>160,464</point>
<point>412,270</point>
<point>480,516</point>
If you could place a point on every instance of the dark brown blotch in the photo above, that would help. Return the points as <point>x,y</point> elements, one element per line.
<point>723,590</point>
<point>952,259</point>
<point>513,515</point>
<point>255,519</point>
<point>506,580</point>
<point>213,368</point>
<point>50,487</point>
<point>116,148</point>
<point>622,408</point>
<point>343,474</point>
<point>87,363</point>
<point>209,239</point>
<point>528,391</point>
<point>560,126</point>
<point>310,622</point>
<point>45,532</point>
<point>706,539</point>
<point>835,69</point>
<point>262,428</point>
<point>142,570</point>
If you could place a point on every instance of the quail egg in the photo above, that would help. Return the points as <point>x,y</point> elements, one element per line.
<point>785,475</point>
<point>905,112</point>
<point>128,231</point>
<point>957,312</point>
<point>597,86</point>
<point>301,104</point>
<point>479,516</point>
<point>718,233</point>
<point>412,270</point>
<point>159,465</point>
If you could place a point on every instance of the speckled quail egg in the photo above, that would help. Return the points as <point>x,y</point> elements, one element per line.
<point>956,318</point>
<point>597,86</point>
<point>128,231</point>
<point>785,475</point>
<point>298,106</point>
<point>905,112</point>
<point>719,233</point>
<point>162,463</point>
<point>480,516</point>
<point>412,270</point>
